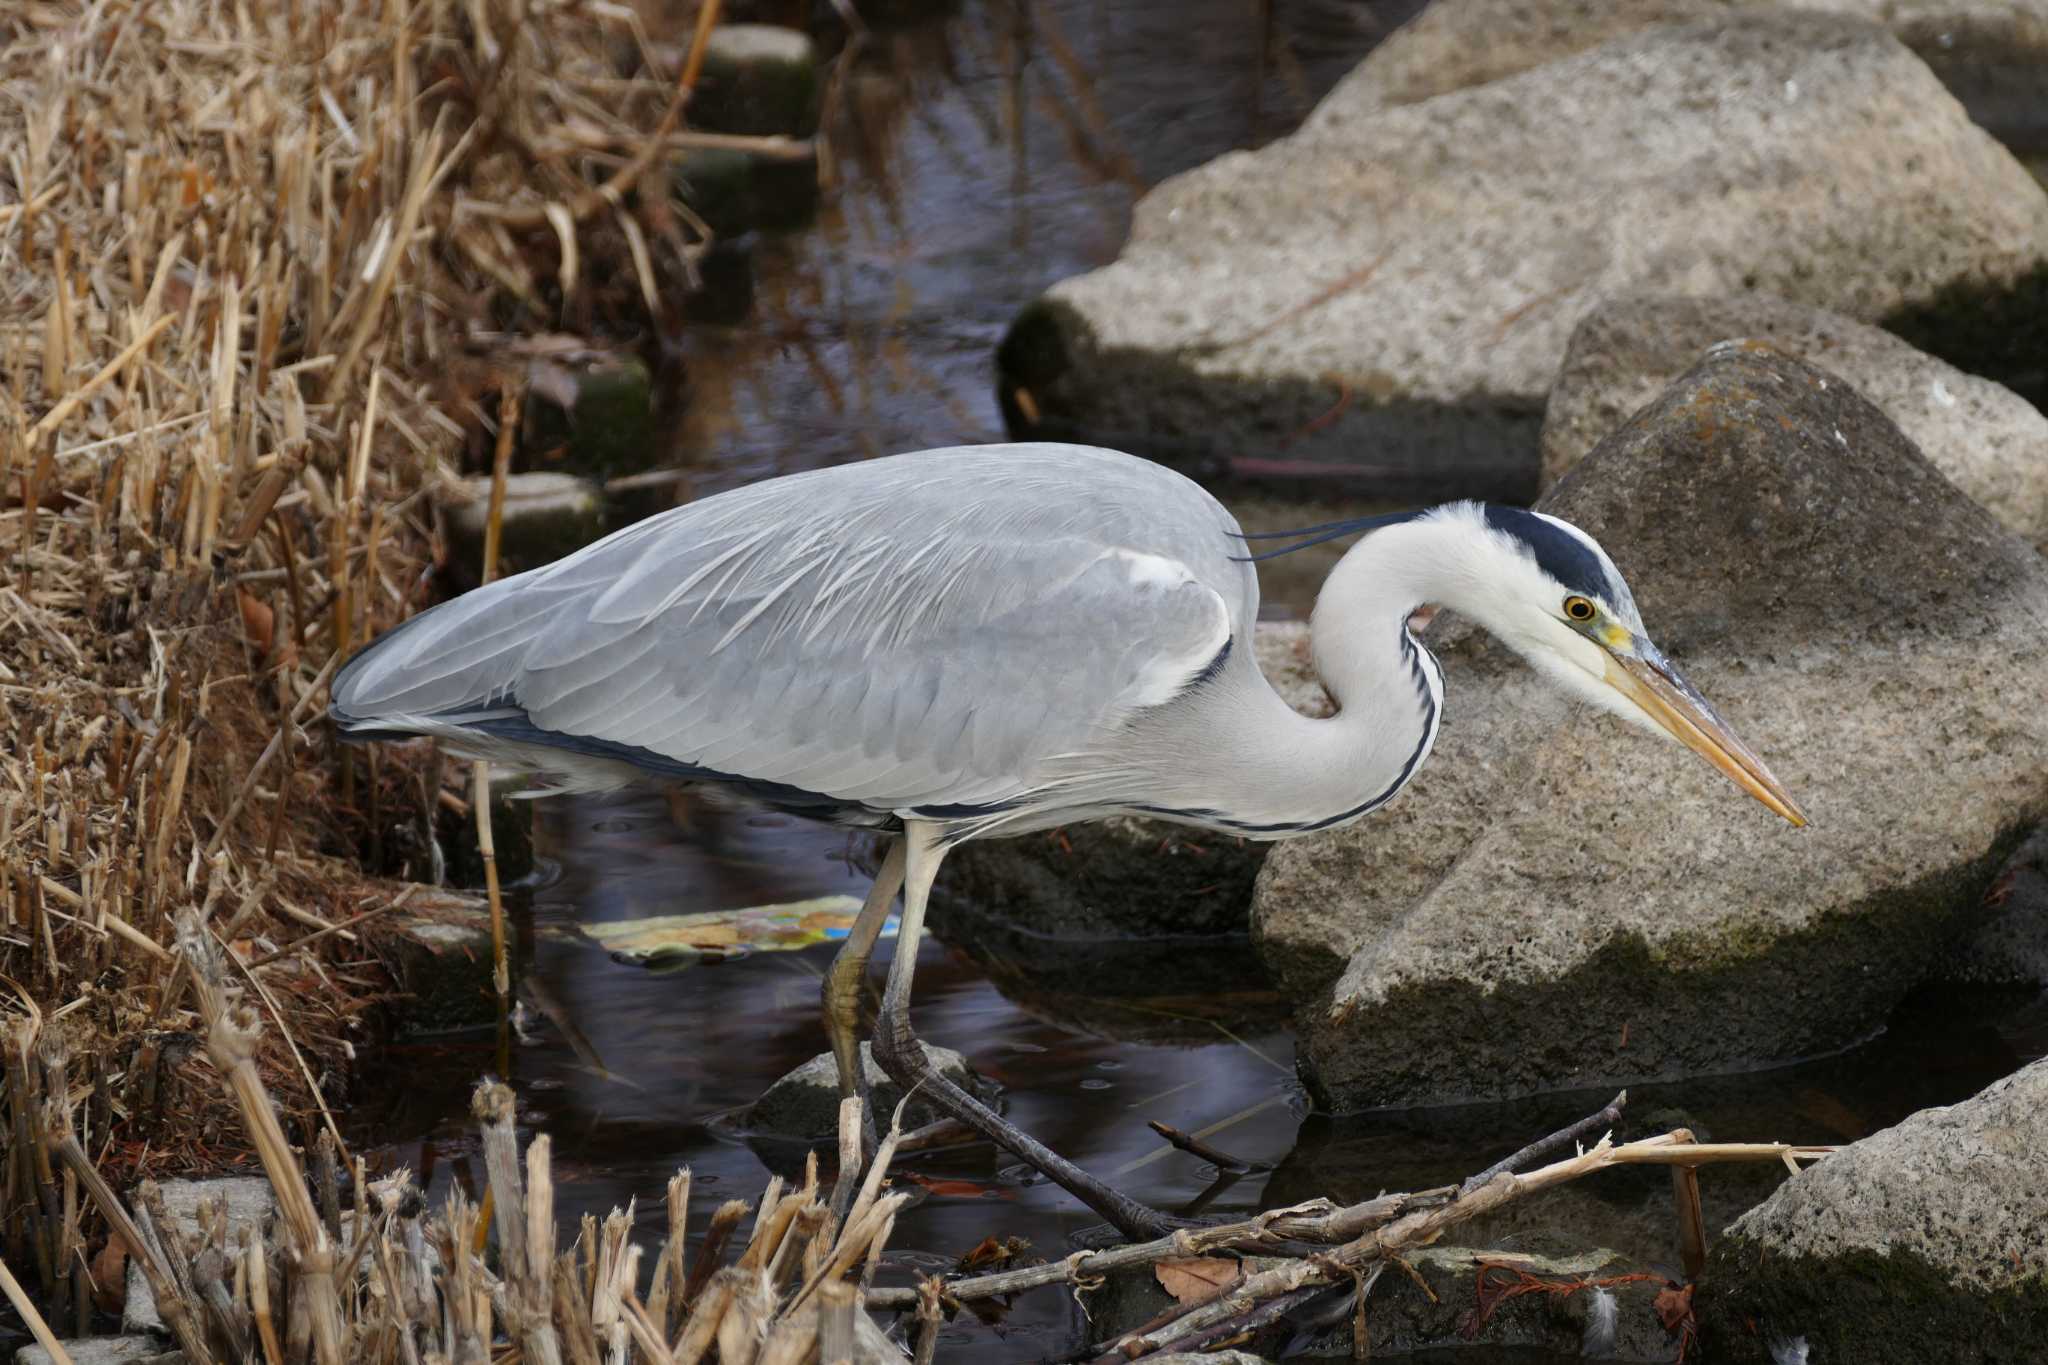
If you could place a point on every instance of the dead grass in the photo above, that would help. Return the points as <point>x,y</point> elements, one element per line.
<point>245,253</point>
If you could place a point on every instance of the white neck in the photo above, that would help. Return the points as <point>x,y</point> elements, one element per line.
<point>1278,772</point>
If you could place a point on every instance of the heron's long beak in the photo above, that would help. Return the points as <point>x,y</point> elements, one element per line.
<point>1643,675</point>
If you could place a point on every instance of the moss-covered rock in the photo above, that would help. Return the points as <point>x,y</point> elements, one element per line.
<point>758,79</point>
<point>590,413</point>
<point>1923,1242</point>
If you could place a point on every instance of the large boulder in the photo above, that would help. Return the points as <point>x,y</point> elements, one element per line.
<point>1562,901</point>
<point>1992,54</point>
<point>1920,1243</point>
<point>1991,443</point>
<point>1397,285</point>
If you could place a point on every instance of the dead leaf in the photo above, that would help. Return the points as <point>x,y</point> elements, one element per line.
<point>1674,1307</point>
<point>259,622</point>
<point>110,1276</point>
<point>992,1255</point>
<point>1196,1279</point>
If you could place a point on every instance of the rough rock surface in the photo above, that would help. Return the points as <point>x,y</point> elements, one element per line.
<point>2011,949</point>
<point>1991,443</point>
<point>1922,1242</point>
<point>805,1103</point>
<point>1559,900</point>
<point>1397,285</point>
<point>126,1350</point>
<point>1992,54</point>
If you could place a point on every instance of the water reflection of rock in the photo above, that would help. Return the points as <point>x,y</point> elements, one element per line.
<point>1129,929</point>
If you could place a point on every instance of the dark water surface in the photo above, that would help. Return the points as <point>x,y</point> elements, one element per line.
<point>874,332</point>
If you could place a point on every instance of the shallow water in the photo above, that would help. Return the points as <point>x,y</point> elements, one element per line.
<point>874,332</point>
<point>660,1063</point>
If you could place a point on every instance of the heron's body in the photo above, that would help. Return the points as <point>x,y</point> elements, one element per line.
<point>995,639</point>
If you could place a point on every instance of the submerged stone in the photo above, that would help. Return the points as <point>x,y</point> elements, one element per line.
<point>1562,901</point>
<point>1922,1242</point>
<point>805,1103</point>
<point>1989,441</point>
<point>1392,289</point>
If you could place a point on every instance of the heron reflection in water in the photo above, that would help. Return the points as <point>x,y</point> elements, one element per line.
<point>990,640</point>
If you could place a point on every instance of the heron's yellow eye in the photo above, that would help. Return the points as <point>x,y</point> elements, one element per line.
<point>1578,608</point>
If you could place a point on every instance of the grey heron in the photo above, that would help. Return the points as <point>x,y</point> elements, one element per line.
<point>990,640</point>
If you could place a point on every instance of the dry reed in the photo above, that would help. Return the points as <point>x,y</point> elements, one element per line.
<point>392,1282</point>
<point>251,257</point>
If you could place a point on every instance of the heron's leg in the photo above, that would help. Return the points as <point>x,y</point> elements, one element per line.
<point>898,1052</point>
<point>849,967</point>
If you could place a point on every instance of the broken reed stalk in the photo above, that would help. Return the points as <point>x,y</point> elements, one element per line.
<point>397,1285</point>
<point>1357,1234</point>
<point>480,771</point>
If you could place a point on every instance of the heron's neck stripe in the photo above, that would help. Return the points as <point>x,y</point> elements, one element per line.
<point>1415,655</point>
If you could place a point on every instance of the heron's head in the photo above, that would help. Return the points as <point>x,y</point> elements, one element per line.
<point>1548,591</point>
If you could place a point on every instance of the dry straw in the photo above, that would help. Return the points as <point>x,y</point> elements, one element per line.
<point>245,255</point>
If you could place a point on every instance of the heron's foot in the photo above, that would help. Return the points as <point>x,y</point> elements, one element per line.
<point>904,1059</point>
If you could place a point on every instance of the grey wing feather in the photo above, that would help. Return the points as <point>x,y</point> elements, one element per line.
<point>954,628</point>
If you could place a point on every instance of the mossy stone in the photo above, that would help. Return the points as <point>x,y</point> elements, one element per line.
<point>603,425</point>
<point>758,79</point>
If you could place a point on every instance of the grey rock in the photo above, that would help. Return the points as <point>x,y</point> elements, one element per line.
<point>758,79</point>
<point>247,1200</point>
<point>2011,949</point>
<point>1397,285</point>
<point>805,1103</point>
<point>546,516</point>
<point>1558,901</point>
<point>1991,443</point>
<point>1922,1242</point>
<point>137,1349</point>
<point>1992,54</point>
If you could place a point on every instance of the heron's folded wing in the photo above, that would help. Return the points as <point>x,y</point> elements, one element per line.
<point>946,644</point>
